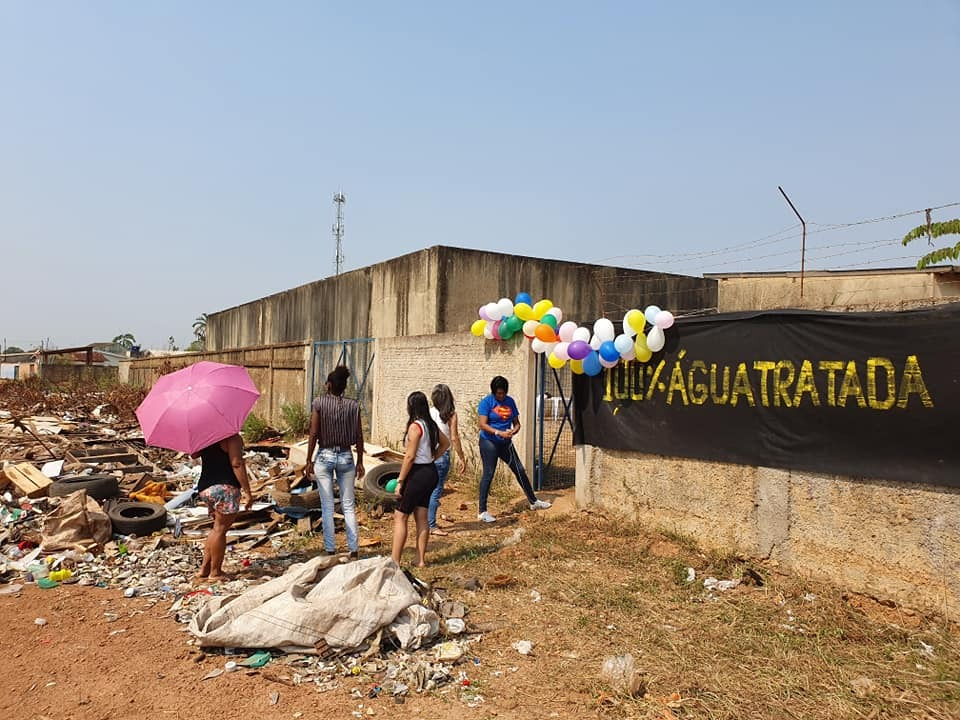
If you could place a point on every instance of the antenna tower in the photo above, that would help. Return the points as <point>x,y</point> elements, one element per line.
<point>338,199</point>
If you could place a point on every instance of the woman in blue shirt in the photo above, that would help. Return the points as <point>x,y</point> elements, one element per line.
<point>499,421</point>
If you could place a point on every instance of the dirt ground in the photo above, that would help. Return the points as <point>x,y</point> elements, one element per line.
<point>582,587</point>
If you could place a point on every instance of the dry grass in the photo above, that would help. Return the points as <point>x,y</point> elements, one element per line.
<point>787,648</point>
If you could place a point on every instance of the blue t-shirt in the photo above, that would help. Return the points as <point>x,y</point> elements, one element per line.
<point>500,416</point>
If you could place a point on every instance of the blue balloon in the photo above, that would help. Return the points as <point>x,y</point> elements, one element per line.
<point>523,297</point>
<point>608,351</point>
<point>591,364</point>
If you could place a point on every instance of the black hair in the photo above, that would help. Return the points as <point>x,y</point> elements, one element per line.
<point>417,409</point>
<point>337,380</point>
<point>499,383</point>
<point>442,400</point>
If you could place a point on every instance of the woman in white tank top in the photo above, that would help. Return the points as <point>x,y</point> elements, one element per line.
<point>418,476</point>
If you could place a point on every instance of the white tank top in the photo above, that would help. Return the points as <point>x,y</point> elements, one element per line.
<point>424,453</point>
<point>444,427</point>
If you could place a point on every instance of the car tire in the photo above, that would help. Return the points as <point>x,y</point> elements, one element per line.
<point>99,487</point>
<point>137,518</point>
<point>375,482</point>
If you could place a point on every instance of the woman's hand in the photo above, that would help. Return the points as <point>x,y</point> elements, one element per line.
<point>247,499</point>
<point>398,490</point>
<point>462,466</point>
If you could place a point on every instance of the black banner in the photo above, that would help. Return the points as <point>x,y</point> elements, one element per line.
<point>873,395</point>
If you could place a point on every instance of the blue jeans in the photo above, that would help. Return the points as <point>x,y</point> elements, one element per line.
<point>340,462</point>
<point>490,452</point>
<point>443,469</point>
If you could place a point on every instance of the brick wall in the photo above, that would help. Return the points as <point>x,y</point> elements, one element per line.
<point>466,364</point>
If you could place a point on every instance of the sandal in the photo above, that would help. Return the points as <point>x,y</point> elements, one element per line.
<point>438,531</point>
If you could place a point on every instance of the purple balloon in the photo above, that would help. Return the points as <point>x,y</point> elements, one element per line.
<point>482,312</point>
<point>578,350</point>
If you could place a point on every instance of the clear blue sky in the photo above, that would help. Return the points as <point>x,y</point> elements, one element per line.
<point>159,160</point>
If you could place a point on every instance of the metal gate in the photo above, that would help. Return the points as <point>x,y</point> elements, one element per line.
<point>357,354</point>
<point>554,458</point>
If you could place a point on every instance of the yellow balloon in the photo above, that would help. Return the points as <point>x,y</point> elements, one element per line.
<point>540,309</point>
<point>477,327</point>
<point>640,348</point>
<point>555,362</point>
<point>523,311</point>
<point>636,320</point>
<point>577,367</point>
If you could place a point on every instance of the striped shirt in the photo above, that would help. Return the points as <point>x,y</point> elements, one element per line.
<point>339,421</point>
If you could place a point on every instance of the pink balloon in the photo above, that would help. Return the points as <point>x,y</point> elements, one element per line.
<point>663,319</point>
<point>565,331</point>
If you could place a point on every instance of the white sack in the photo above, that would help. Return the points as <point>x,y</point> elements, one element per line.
<point>319,601</point>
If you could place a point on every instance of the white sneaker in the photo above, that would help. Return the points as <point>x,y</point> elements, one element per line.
<point>540,505</point>
<point>486,517</point>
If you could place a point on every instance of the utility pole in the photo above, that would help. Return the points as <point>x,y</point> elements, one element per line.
<point>803,243</point>
<point>338,200</point>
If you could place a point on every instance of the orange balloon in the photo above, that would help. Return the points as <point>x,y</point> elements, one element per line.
<point>546,333</point>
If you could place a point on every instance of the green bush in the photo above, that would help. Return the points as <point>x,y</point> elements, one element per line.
<point>255,428</point>
<point>296,418</point>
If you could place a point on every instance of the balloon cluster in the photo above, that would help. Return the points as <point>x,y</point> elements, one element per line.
<point>587,350</point>
<point>503,319</point>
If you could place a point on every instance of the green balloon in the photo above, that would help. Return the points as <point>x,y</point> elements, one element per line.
<point>391,485</point>
<point>550,320</point>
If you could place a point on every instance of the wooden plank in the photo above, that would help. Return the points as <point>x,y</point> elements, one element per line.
<point>28,480</point>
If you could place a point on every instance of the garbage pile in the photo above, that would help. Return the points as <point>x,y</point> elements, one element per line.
<point>83,501</point>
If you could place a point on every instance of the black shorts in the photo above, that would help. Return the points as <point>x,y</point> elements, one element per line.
<point>418,487</point>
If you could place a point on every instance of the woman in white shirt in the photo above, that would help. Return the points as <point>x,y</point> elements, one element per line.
<point>418,476</point>
<point>444,414</point>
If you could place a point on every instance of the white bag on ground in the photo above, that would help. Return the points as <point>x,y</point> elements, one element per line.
<point>314,603</point>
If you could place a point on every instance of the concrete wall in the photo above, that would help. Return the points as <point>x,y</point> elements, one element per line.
<point>466,364</point>
<point>63,373</point>
<point>439,290</point>
<point>854,290</point>
<point>280,373</point>
<point>891,540</point>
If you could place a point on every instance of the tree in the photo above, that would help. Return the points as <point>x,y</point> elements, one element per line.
<point>14,349</point>
<point>200,327</point>
<point>935,230</point>
<point>195,346</point>
<point>126,340</point>
<point>172,343</point>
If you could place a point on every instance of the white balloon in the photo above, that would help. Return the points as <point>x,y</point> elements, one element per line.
<point>565,331</point>
<point>655,339</point>
<point>556,312</point>
<point>603,329</point>
<point>560,350</point>
<point>505,306</point>
<point>488,330</point>
<point>632,355</point>
<point>627,330</point>
<point>664,319</point>
<point>493,311</point>
<point>623,343</point>
<point>538,346</point>
<point>582,334</point>
<point>595,342</point>
<point>530,328</point>
<point>609,363</point>
<point>651,313</point>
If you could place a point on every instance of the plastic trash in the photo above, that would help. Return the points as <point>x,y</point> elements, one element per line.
<point>619,671</point>
<point>524,647</point>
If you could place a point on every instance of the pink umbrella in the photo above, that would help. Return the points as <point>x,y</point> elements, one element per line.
<point>197,406</point>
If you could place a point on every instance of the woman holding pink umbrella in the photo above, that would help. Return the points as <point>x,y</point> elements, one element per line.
<point>222,478</point>
<point>199,410</point>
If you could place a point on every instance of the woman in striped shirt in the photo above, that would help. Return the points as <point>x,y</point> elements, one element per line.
<point>335,427</point>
